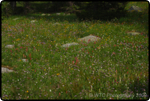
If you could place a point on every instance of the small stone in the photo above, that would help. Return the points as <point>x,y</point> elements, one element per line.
<point>43,14</point>
<point>57,13</point>
<point>6,70</point>
<point>23,60</point>
<point>33,21</point>
<point>9,46</point>
<point>69,44</point>
<point>133,33</point>
<point>48,14</point>
<point>16,19</point>
<point>56,23</point>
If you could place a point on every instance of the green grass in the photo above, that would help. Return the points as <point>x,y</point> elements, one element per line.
<point>94,72</point>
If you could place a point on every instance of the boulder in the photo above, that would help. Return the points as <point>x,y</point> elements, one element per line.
<point>89,38</point>
<point>135,8</point>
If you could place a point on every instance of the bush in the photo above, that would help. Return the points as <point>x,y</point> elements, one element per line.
<point>101,10</point>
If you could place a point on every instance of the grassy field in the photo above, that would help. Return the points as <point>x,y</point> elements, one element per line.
<point>118,71</point>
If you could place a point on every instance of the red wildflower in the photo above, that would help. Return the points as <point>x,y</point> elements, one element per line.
<point>72,62</point>
<point>76,60</point>
<point>113,53</point>
<point>30,55</point>
<point>26,49</point>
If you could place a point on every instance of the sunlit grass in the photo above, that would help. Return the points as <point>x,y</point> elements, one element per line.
<point>116,64</point>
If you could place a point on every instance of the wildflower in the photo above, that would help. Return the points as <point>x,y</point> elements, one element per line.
<point>17,39</point>
<point>113,53</point>
<point>58,74</point>
<point>27,91</point>
<point>76,60</point>
<point>26,49</point>
<point>30,56</point>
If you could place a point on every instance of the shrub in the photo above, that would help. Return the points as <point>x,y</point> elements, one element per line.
<point>101,10</point>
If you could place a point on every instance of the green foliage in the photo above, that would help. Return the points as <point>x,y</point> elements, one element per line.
<point>57,6</point>
<point>101,10</point>
<point>70,7</point>
<point>6,10</point>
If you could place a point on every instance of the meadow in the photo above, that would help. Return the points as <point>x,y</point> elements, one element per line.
<point>118,71</point>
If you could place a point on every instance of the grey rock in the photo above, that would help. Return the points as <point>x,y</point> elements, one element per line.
<point>24,60</point>
<point>6,70</point>
<point>69,44</point>
<point>57,13</point>
<point>133,33</point>
<point>33,21</point>
<point>9,46</point>
<point>89,38</point>
<point>135,8</point>
<point>43,14</point>
<point>56,23</point>
<point>16,19</point>
<point>48,14</point>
